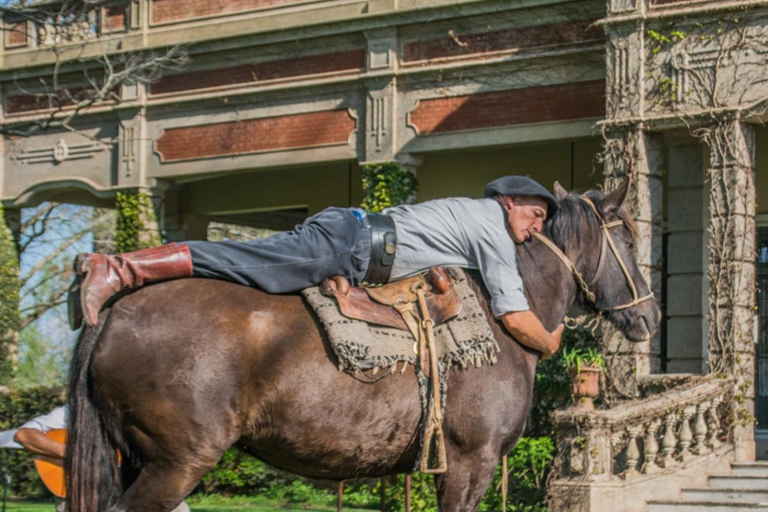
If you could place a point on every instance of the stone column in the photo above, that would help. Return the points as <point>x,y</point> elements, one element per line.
<point>638,154</point>
<point>686,258</point>
<point>152,214</point>
<point>731,269</point>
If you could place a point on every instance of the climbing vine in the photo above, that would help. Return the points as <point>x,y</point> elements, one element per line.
<point>10,287</point>
<point>135,216</point>
<point>386,185</point>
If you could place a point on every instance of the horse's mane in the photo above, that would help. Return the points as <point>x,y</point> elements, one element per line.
<point>566,224</point>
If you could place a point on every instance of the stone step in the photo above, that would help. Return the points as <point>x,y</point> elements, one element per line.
<point>749,469</point>
<point>705,506</point>
<point>738,482</point>
<point>725,495</point>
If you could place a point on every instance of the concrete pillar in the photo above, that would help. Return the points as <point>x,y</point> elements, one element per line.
<point>731,270</point>
<point>688,215</point>
<point>152,214</point>
<point>639,154</point>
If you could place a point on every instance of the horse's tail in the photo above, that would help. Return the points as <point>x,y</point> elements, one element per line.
<point>91,465</point>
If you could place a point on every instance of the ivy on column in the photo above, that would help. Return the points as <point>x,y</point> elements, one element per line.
<point>136,222</point>
<point>10,286</point>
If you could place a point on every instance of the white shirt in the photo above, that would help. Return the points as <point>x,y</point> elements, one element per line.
<point>56,419</point>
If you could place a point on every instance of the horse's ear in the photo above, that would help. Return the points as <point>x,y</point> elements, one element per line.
<point>560,192</point>
<point>615,199</point>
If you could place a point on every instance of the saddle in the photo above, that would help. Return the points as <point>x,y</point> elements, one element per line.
<point>381,305</point>
<point>415,304</point>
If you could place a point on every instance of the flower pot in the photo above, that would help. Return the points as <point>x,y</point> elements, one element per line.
<point>585,387</point>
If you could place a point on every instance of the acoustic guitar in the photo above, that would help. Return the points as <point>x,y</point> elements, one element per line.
<point>51,470</point>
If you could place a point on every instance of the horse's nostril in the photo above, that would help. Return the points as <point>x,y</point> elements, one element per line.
<point>648,328</point>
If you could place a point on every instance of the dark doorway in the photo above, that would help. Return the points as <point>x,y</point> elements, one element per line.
<point>761,384</point>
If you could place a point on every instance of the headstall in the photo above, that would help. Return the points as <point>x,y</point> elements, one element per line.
<point>606,237</point>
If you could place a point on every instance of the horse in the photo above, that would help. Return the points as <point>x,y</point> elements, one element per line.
<point>176,373</point>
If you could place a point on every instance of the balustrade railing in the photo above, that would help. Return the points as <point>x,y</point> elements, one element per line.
<point>646,436</point>
<point>52,23</point>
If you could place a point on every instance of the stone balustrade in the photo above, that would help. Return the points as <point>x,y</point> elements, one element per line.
<point>56,31</point>
<point>654,435</point>
<point>53,24</point>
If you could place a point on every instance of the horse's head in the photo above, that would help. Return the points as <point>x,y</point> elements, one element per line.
<point>598,236</point>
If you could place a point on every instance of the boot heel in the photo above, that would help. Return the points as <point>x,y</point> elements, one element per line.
<point>74,310</point>
<point>82,264</point>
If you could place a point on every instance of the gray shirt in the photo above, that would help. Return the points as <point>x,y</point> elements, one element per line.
<point>469,233</point>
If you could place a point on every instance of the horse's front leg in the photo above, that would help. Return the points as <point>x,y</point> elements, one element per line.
<point>463,486</point>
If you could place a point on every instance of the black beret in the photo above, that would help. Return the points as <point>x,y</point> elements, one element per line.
<point>521,186</point>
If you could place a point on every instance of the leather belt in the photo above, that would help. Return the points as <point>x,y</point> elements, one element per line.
<point>383,247</point>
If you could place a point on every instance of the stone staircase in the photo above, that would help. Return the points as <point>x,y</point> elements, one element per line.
<point>745,489</point>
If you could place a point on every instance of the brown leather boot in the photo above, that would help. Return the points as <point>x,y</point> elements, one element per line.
<point>106,275</point>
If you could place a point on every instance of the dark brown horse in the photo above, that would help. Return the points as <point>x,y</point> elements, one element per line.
<point>176,373</point>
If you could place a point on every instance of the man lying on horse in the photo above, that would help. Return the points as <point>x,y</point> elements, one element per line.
<point>365,248</point>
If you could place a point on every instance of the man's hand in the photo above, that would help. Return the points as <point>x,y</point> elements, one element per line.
<point>528,330</point>
<point>557,336</point>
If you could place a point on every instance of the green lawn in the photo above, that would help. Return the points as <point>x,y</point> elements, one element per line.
<point>197,506</point>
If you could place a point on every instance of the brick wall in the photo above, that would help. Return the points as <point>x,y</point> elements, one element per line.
<point>164,11</point>
<point>506,108</point>
<point>508,39</point>
<point>251,73</point>
<point>265,134</point>
<point>114,19</point>
<point>16,35</point>
<point>21,103</point>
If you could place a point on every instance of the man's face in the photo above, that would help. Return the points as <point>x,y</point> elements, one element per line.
<point>525,215</point>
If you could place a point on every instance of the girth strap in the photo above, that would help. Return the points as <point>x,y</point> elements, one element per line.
<point>434,438</point>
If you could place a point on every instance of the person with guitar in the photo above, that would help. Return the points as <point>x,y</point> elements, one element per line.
<point>46,437</point>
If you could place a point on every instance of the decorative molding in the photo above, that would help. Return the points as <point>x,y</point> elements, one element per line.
<point>59,153</point>
<point>380,119</point>
<point>621,63</point>
<point>382,48</point>
<point>128,149</point>
<point>684,62</point>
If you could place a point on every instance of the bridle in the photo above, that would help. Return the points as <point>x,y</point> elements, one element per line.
<point>606,237</point>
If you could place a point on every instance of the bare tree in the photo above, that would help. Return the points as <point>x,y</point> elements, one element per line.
<point>75,85</point>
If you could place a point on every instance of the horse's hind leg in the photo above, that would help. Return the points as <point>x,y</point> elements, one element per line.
<point>463,486</point>
<point>161,487</point>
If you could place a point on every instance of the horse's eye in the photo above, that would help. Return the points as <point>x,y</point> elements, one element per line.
<point>631,246</point>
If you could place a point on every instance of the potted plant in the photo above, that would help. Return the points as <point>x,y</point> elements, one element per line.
<point>585,367</point>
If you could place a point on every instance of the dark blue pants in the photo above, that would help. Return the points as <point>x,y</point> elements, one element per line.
<point>334,242</point>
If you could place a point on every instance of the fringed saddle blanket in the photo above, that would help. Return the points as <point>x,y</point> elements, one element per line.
<point>466,340</point>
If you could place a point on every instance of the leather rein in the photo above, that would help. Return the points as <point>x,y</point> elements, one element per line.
<point>606,237</point>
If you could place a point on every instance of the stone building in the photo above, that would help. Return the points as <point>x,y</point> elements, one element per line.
<point>283,101</point>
